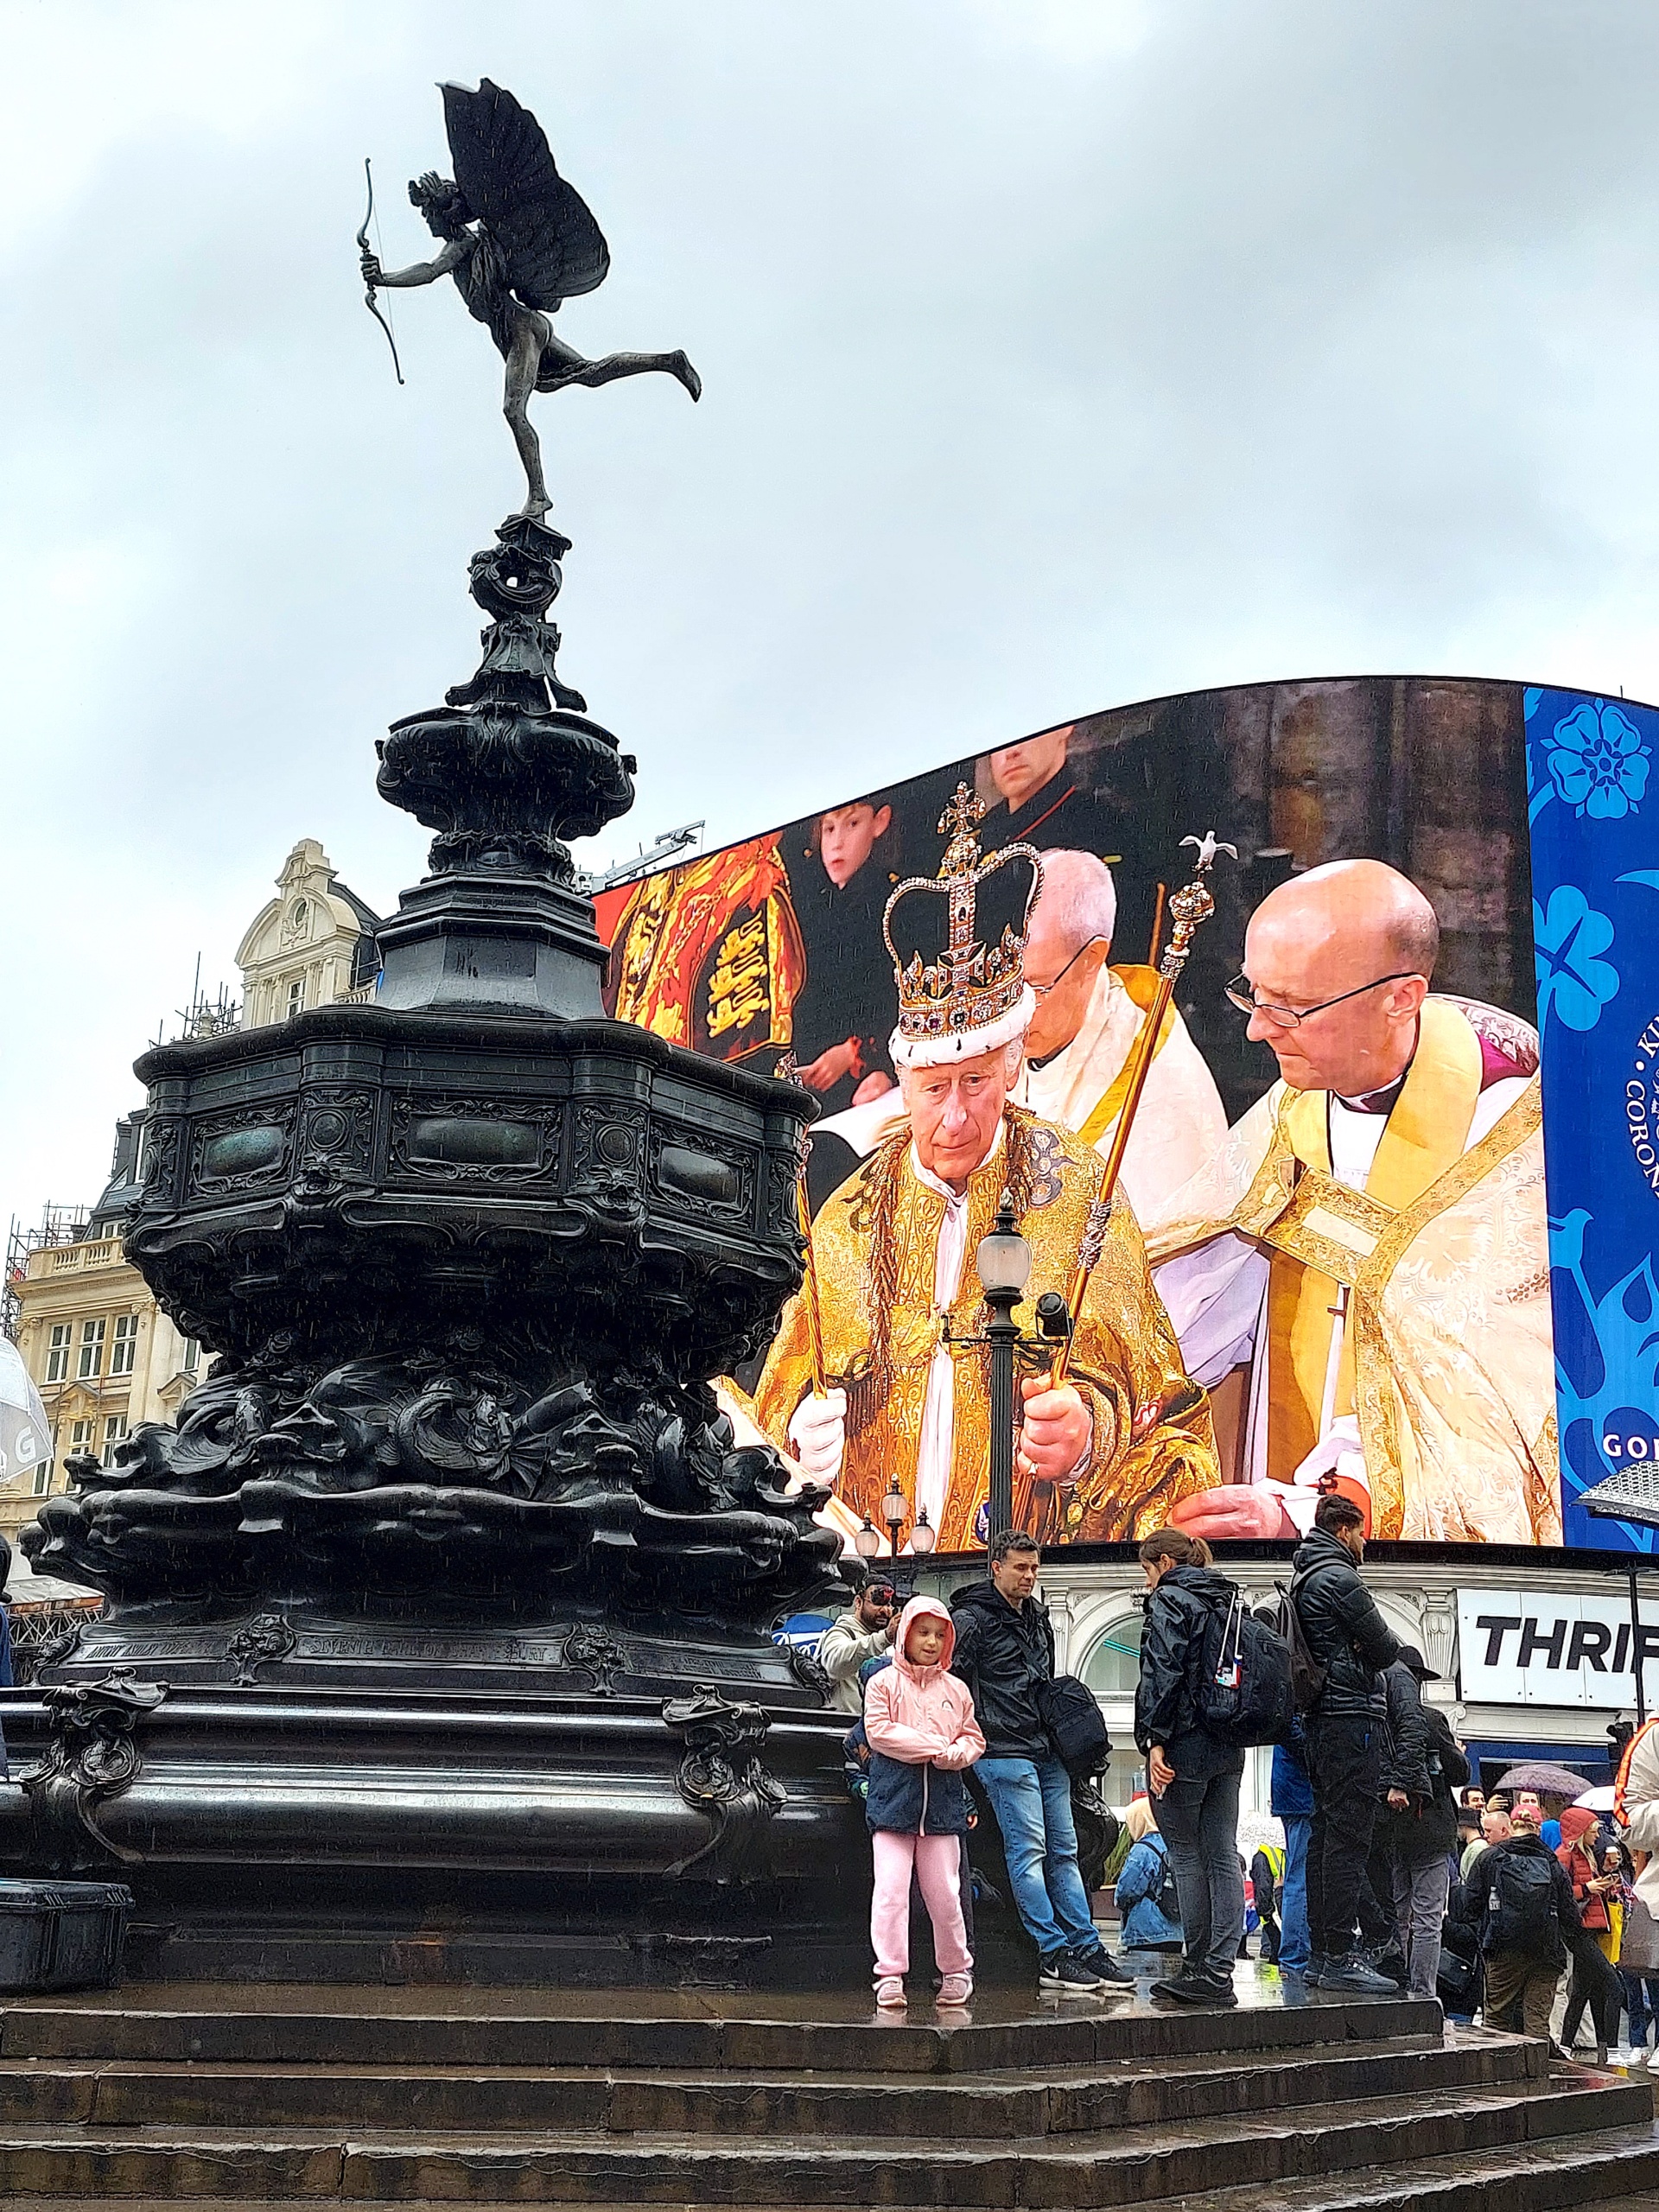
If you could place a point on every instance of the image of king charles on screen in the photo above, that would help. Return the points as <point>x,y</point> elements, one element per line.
<point>1114,1448</point>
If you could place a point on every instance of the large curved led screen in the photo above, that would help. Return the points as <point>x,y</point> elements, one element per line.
<point>1435,1293</point>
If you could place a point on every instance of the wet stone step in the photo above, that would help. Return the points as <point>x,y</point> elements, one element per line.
<point>1605,2171</point>
<point>132,2092</point>
<point>1122,2167</point>
<point>1082,2036</point>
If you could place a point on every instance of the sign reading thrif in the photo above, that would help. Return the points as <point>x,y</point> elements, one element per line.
<point>1547,1646</point>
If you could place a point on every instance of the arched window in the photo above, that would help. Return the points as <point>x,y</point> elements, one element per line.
<point>1112,1665</point>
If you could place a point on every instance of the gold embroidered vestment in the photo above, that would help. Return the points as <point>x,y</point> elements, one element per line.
<point>876,1242</point>
<point>1448,1359</point>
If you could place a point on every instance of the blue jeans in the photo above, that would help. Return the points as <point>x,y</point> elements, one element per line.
<point>1031,1799</point>
<point>1636,1988</point>
<point>1294,1943</point>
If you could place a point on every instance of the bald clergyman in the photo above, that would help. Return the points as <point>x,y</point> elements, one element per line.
<point>1371,1241</point>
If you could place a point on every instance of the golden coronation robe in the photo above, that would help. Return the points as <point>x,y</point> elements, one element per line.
<point>875,1242</point>
<point>1445,1359</point>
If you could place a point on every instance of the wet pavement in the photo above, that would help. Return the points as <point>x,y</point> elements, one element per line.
<point>1257,1987</point>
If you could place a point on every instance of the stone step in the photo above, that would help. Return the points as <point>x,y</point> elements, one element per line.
<point>1007,2107</point>
<point>481,2034</point>
<point>1550,2177</point>
<point>1547,2177</point>
<point>1127,2166</point>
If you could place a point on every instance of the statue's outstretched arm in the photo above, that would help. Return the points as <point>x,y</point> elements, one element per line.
<point>455,251</point>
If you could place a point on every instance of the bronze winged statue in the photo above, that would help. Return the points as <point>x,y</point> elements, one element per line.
<point>519,241</point>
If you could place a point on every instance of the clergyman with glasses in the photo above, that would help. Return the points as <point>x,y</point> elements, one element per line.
<point>1370,1242</point>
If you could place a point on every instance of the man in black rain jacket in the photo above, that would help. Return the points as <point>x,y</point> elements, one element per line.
<point>1520,1896</point>
<point>1349,1638</point>
<point>1004,1649</point>
<point>1192,1774</point>
<point>1422,1769</point>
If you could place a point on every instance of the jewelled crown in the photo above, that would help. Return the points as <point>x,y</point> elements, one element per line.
<point>971,998</point>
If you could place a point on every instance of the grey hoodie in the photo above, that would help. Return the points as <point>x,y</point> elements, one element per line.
<point>845,1647</point>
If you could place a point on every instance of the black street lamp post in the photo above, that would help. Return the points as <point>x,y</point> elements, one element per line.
<point>1004,1263</point>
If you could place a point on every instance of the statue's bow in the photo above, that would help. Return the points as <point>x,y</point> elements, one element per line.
<point>369,300</point>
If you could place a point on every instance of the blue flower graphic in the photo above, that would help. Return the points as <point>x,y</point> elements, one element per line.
<point>1598,761</point>
<point>1573,983</point>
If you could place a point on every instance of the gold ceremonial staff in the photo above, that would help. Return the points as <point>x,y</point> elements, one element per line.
<point>1190,907</point>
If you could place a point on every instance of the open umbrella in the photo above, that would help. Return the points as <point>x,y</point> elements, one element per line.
<point>25,1437</point>
<point>1549,1781</point>
<point>1597,1801</point>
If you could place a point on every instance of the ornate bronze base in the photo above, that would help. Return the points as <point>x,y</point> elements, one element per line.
<point>297,1795</point>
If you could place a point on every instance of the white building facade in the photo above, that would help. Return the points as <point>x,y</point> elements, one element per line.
<point>1534,1653</point>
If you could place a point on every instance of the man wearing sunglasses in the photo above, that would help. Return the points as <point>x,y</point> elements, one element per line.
<point>1371,1242</point>
<point>863,1632</point>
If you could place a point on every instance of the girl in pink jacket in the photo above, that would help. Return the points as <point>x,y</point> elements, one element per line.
<point>920,1722</point>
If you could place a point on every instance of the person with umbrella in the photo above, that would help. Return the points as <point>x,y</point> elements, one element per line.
<point>1551,1786</point>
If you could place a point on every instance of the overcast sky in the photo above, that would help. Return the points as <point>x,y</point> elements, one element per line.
<point>1056,355</point>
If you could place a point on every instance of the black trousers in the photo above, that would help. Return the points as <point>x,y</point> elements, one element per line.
<point>1595,1982</point>
<point>1344,1763</point>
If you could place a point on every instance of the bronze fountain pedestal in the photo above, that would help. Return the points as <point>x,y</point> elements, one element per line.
<point>458,1584</point>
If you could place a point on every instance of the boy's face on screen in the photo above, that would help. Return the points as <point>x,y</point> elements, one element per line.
<point>847,837</point>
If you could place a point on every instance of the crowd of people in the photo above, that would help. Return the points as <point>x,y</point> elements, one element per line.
<point>1395,1875</point>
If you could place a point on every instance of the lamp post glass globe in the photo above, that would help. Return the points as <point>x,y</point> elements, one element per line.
<point>893,1510</point>
<point>867,1543</point>
<point>1004,1257</point>
<point>923,1537</point>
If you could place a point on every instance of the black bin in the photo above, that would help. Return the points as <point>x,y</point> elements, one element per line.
<point>62,1934</point>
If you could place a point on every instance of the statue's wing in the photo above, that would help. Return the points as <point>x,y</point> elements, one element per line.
<point>553,247</point>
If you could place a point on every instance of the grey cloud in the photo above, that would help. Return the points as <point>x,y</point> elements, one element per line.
<point>1054,356</point>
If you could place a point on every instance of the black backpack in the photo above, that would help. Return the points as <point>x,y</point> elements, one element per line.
<point>1521,1904</point>
<point>1306,1675</point>
<point>1245,1690</point>
<point>1074,1723</point>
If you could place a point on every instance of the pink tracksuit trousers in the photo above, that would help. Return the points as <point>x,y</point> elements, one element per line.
<point>938,1862</point>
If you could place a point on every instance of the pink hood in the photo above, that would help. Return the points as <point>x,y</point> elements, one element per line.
<point>924,1608</point>
<point>922,1712</point>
